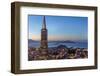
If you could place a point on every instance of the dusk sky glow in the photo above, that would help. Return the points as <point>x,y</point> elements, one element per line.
<point>59,27</point>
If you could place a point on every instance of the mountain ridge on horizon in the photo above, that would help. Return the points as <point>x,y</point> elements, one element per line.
<point>63,41</point>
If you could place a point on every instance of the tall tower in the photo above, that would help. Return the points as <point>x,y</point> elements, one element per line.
<point>44,39</point>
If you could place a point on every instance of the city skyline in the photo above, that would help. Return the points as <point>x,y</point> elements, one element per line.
<point>59,27</point>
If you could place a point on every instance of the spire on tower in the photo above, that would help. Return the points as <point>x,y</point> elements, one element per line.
<point>44,23</point>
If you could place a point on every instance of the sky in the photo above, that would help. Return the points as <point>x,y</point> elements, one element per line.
<point>59,27</point>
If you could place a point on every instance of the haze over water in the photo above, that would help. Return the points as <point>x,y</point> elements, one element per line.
<point>55,44</point>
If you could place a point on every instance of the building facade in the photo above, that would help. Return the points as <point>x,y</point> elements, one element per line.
<point>44,37</point>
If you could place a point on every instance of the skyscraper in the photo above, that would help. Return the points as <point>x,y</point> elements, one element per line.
<point>44,37</point>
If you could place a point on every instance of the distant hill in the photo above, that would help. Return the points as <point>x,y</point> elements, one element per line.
<point>30,40</point>
<point>68,41</point>
<point>63,41</point>
<point>62,46</point>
